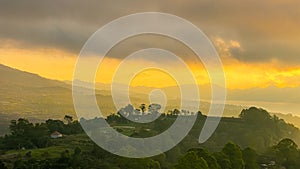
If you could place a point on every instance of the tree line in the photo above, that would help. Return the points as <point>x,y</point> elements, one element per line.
<point>254,140</point>
<point>26,135</point>
<point>284,154</point>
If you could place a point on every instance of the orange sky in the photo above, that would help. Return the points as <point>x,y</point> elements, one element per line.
<point>58,64</point>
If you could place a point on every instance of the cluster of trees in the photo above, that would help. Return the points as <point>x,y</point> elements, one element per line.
<point>153,108</point>
<point>283,155</point>
<point>230,157</point>
<point>255,128</point>
<point>26,135</point>
<point>78,159</point>
<point>129,110</point>
<point>68,128</point>
<point>67,159</point>
<point>145,113</point>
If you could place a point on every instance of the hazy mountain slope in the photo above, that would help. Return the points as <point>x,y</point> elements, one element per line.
<point>28,95</point>
<point>289,118</point>
<point>10,76</point>
<point>31,96</point>
<point>24,92</point>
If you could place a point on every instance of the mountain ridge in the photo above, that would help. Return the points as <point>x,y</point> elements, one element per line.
<point>29,95</point>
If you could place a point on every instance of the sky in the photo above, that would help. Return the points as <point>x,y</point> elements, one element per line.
<point>258,41</point>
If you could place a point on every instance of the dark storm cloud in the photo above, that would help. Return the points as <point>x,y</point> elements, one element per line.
<point>266,30</point>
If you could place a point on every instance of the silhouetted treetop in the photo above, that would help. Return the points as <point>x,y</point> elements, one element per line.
<point>255,115</point>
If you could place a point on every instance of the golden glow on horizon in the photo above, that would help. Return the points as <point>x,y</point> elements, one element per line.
<point>161,79</point>
<point>57,64</point>
<point>49,63</point>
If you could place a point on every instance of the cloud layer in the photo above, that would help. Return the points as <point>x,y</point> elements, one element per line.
<point>265,30</point>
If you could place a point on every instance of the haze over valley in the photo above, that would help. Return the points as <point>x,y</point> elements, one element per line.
<point>31,96</point>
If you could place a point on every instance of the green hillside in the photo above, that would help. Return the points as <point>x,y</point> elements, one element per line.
<point>238,140</point>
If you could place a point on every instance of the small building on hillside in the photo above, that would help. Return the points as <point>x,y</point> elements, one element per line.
<point>56,135</point>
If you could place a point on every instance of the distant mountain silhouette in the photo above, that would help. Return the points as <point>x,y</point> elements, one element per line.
<point>11,76</point>
<point>24,94</point>
<point>29,94</point>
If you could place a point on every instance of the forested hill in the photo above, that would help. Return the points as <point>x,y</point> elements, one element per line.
<point>29,144</point>
<point>255,128</point>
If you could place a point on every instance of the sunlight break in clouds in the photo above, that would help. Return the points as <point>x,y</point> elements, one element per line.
<point>241,75</point>
<point>57,64</point>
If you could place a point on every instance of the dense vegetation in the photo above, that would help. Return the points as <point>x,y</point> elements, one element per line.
<point>254,140</point>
